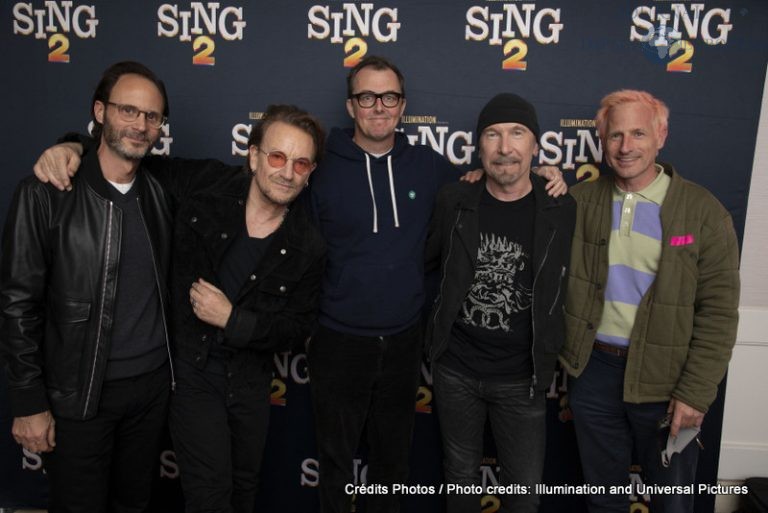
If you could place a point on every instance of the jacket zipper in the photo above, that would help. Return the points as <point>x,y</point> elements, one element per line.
<point>159,295</point>
<point>533,315</point>
<point>101,311</point>
<point>559,288</point>
<point>445,273</point>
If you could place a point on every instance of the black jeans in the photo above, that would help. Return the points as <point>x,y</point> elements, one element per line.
<point>359,382</point>
<point>606,430</point>
<point>219,425</point>
<point>518,422</point>
<point>108,463</point>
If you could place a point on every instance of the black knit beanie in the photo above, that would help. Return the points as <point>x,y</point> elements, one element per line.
<point>508,108</point>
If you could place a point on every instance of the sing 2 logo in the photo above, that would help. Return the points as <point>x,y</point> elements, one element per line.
<point>667,43</point>
<point>55,21</point>
<point>199,24</point>
<point>512,26</point>
<point>351,25</point>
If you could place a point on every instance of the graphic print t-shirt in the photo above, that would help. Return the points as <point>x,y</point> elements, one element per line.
<point>491,338</point>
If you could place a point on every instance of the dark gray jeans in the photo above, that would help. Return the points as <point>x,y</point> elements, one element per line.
<point>519,430</point>
<point>219,425</point>
<point>363,386</point>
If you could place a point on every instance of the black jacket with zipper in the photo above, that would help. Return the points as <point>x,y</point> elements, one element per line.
<point>453,240</point>
<point>60,257</point>
<point>276,308</point>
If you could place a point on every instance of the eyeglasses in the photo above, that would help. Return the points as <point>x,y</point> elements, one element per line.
<point>277,158</point>
<point>368,99</point>
<point>131,113</point>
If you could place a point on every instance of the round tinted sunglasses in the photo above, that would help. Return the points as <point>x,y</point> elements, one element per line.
<point>277,158</point>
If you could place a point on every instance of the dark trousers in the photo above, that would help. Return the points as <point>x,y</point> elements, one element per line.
<point>219,424</point>
<point>518,423</point>
<point>359,382</point>
<point>108,463</point>
<point>606,430</point>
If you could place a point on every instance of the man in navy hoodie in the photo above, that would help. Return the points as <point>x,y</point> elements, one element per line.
<point>373,198</point>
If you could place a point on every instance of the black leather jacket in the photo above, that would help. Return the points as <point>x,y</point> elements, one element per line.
<point>277,307</point>
<point>60,256</point>
<point>453,240</point>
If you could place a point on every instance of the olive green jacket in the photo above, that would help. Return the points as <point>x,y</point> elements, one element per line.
<point>686,323</point>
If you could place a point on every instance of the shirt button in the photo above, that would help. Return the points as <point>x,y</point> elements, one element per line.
<point>239,202</point>
<point>204,338</point>
<point>224,235</point>
<point>282,288</point>
<point>282,252</point>
<point>194,219</point>
<point>629,196</point>
<point>252,277</point>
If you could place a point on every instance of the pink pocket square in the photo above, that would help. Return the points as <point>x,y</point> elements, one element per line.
<point>681,240</point>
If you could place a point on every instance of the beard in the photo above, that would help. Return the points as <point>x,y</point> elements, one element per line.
<point>114,139</point>
<point>502,177</point>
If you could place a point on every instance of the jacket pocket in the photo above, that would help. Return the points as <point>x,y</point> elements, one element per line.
<point>66,343</point>
<point>274,292</point>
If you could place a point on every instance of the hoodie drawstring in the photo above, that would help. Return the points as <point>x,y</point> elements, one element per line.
<point>392,191</point>
<point>373,198</point>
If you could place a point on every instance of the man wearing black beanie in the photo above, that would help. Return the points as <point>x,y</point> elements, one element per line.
<point>503,245</point>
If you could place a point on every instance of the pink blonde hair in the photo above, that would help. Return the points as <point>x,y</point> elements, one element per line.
<point>660,110</point>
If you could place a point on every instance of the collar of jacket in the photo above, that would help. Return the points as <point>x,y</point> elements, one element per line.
<point>546,207</point>
<point>471,200</point>
<point>90,170</point>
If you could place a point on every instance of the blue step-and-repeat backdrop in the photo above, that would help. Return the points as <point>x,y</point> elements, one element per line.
<point>224,62</point>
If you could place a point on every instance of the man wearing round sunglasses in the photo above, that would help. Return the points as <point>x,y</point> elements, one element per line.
<point>254,261</point>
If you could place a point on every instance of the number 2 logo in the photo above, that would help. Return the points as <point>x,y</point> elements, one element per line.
<point>59,45</point>
<point>515,51</point>
<point>204,46</point>
<point>354,50</point>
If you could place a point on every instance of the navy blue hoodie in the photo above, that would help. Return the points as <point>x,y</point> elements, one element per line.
<point>374,214</point>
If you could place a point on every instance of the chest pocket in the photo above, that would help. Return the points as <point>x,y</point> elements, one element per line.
<point>281,279</point>
<point>275,291</point>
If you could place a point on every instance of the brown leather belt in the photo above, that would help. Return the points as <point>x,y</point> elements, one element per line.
<point>610,349</point>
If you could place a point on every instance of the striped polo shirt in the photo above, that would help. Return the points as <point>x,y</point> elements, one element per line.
<point>633,256</point>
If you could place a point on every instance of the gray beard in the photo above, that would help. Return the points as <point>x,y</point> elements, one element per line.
<point>112,138</point>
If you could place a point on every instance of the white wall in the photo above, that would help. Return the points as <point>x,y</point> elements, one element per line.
<point>744,449</point>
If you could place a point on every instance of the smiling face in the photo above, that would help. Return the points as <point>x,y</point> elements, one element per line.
<point>280,185</point>
<point>375,126</point>
<point>506,151</point>
<point>129,140</point>
<point>632,141</point>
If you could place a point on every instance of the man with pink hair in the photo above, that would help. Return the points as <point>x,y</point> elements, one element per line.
<point>651,310</point>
